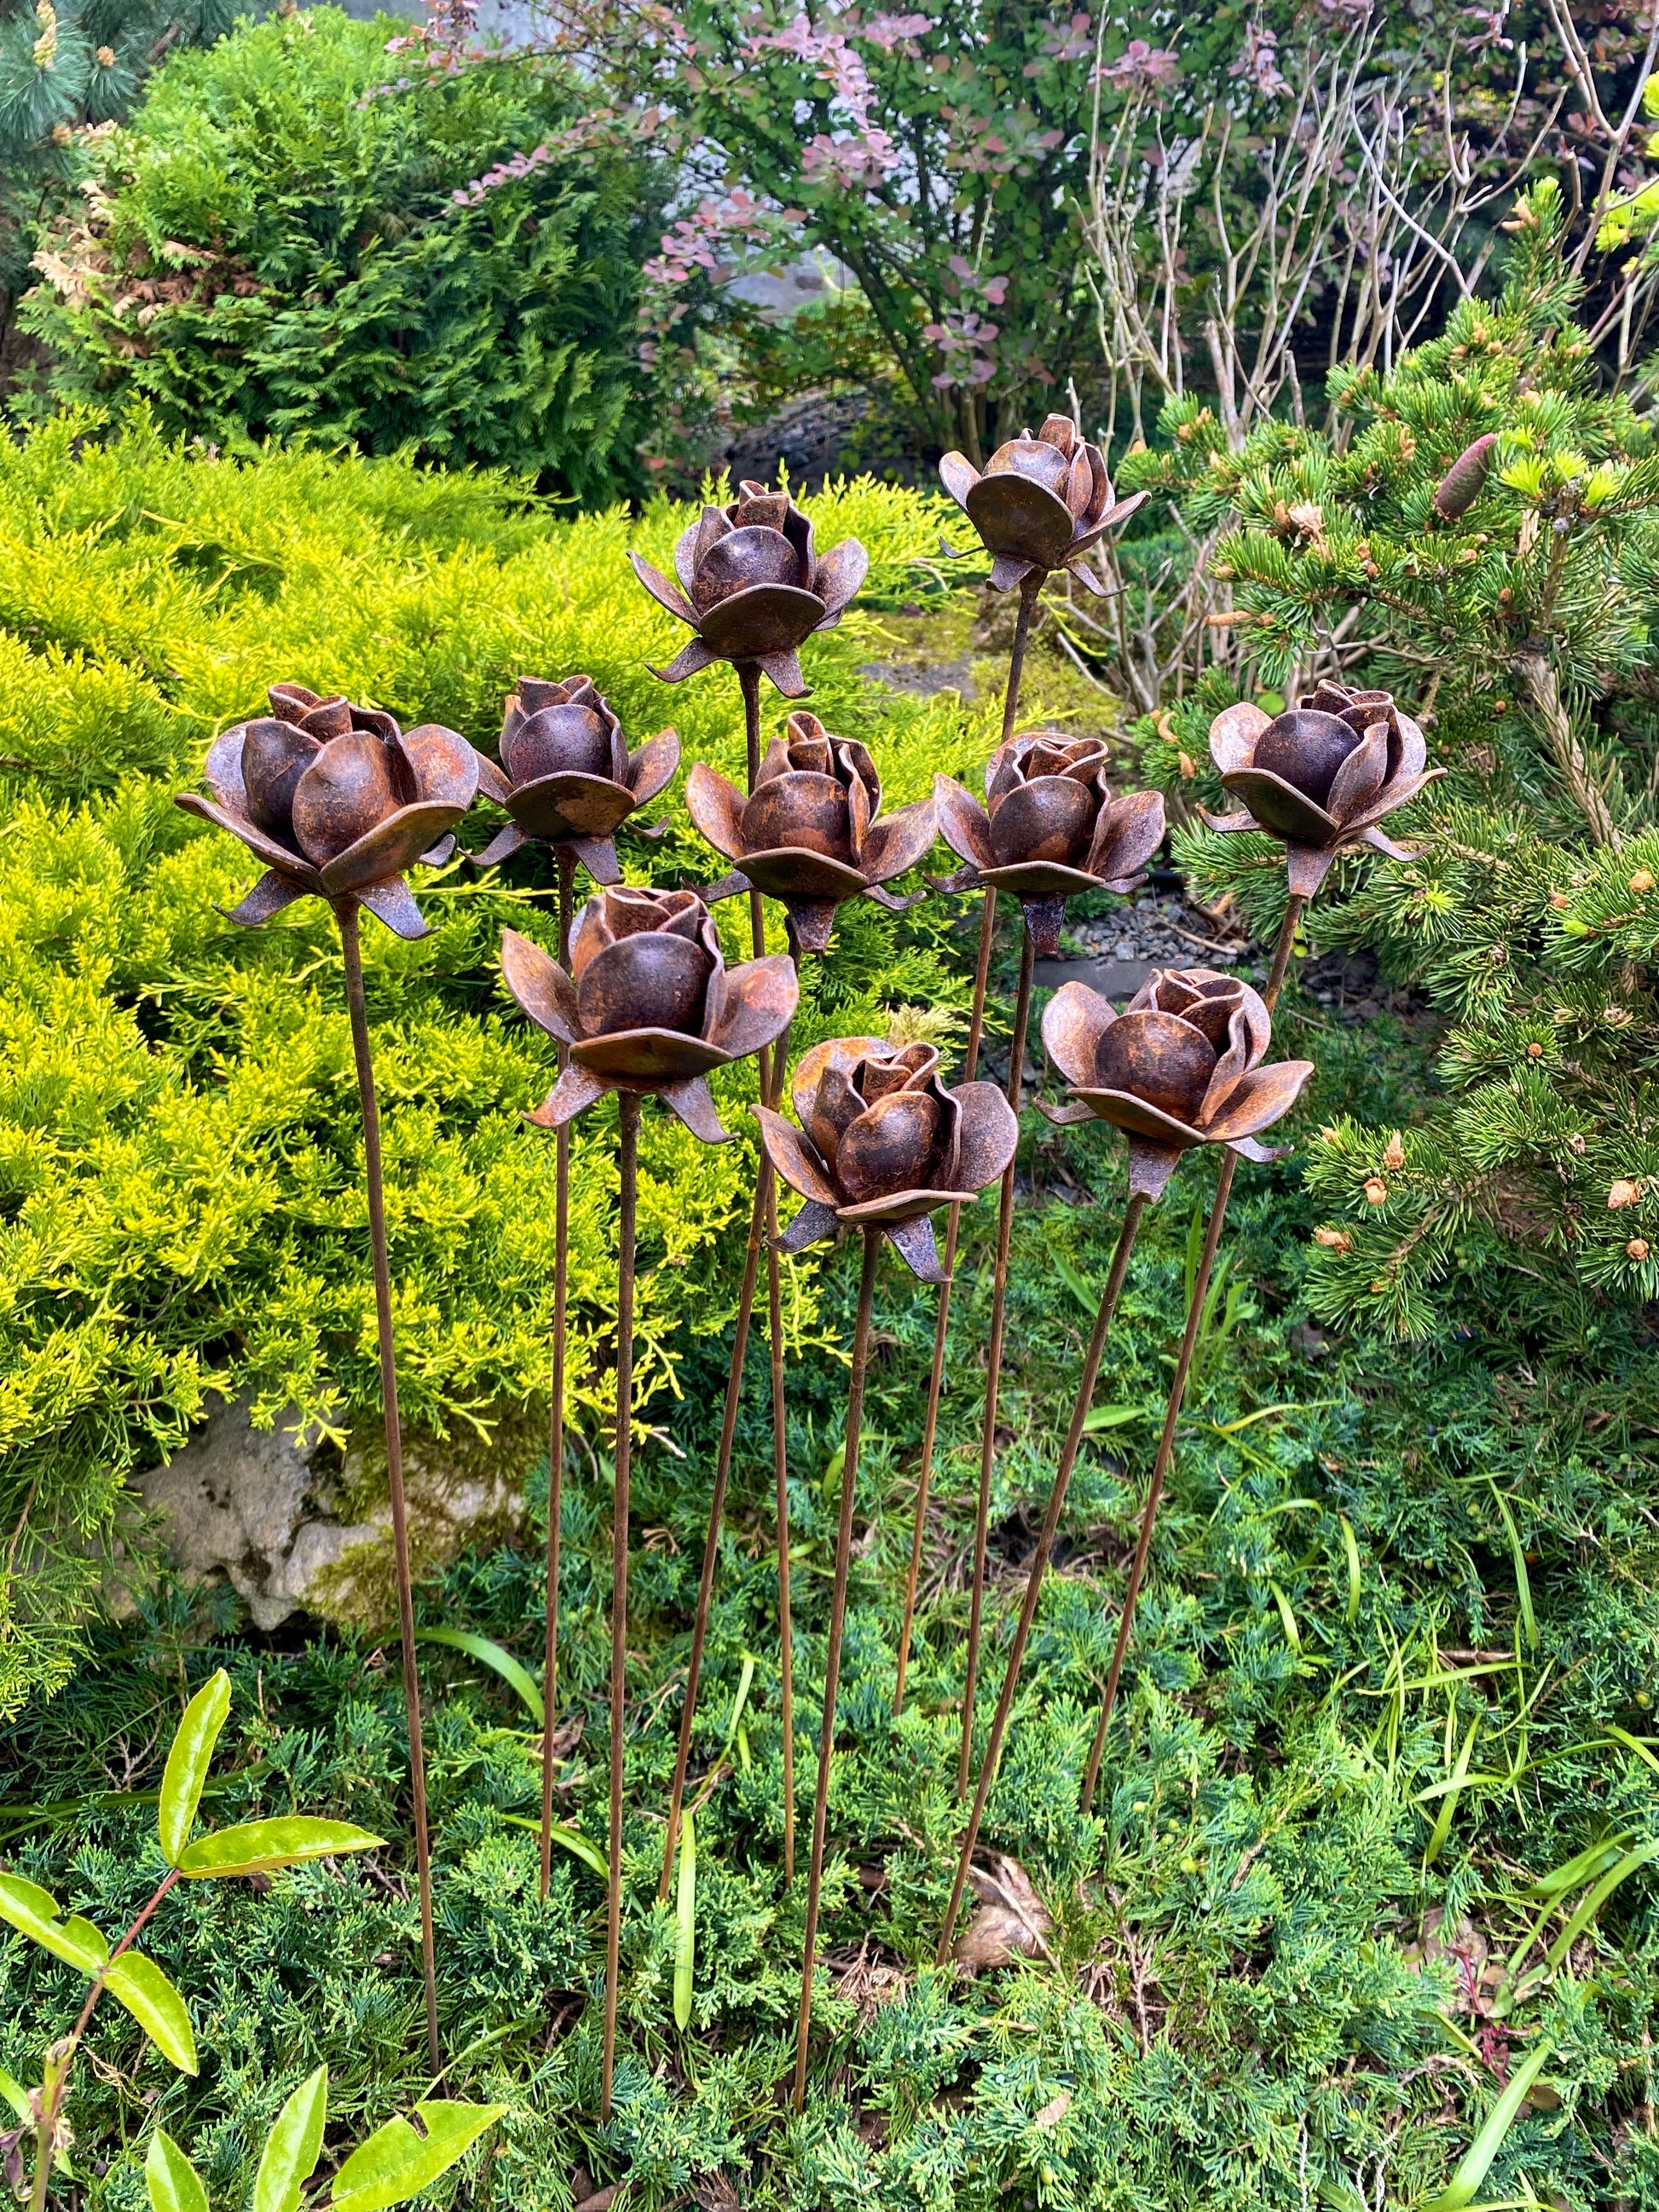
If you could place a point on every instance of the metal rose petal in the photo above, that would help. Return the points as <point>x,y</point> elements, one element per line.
<point>1242,820</point>
<point>353,784</point>
<point>263,847</point>
<point>436,855</point>
<point>1080,487</point>
<point>645,1058</point>
<point>292,702</point>
<point>798,872</point>
<point>963,822</point>
<point>1233,734</point>
<point>711,526</point>
<point>749,556</point>
<point>599,856</point>
<point>842,1053</point>
<point>1125,1111</point>
<point>491,781</point>
<point>561,736</point>
<point>838,577</point>
<point>375,719</point>
<point>1060,431</point>
<point>221,772</point>
<point>716,810</point>
<point>273,891</point>
<point>1361,776</point>
<point>888,1147</point>
<point>1280,806</point>
<point>1413,748</point>
<point>800,810</point>
<point>274,756</point>
<point>1263,1155</point>
<point>1090,578</point>
<point>1009,571</point>
<point>1073,1022</point>
<point>652,768</point>
<point>506,840</point>
<point>1379,844</point>
<point>914,1242</point>
<point>809,1226</point>
<point>690,660</point>
<point>1399,793</point>
<point>895,843</point>
<point>390,847</point>
<point>1264,1096</point>
<point>329,718</point>
<point>665,593</point>
<point>1039,880</point>
<point>757,1003</point>
<point>1064,1117</point>
<point>835,1105</point>
<point>1015,515</point>
<point>694,1104</point>
<point>765,618</point>
<point>1043,917</point>
<point>1049,818</point>
<point>445,766</point>
<point>649,980</point>
<point>959,476</point>
<point>898,1205</point>
<point>987,1135</point>
<point>1230,1069</point>
<point>1151,1167</point>
<point>540,986</point>
<point>794,1159</point>
<point>782,672</point>
<point>573,1093</point>
<point>1158,1058</point>
<point>1307,866</point>
<point>391,901</point>
<point>1129,831</point>
<point>811,923</point>
<point>1305,748</point>
<point>569,804</point>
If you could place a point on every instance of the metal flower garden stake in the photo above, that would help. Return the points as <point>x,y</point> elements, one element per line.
<point>338,801</point>
<point>753,589</point>
<point>1041,505</point>
<point>568,780</point>
<point>812,833</point>
<point>1178,1069</point>
<point>646,1008</point>
<point>882,1145</point>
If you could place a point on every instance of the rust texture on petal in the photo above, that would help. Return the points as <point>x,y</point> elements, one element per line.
<point>1050,828</point>
<point>1321,774</point>
<point>567,776</point>
<point>1040,504</point>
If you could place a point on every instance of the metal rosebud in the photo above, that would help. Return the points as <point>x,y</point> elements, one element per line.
<point>1049,829</point>
<point>338,801</point>
<point>885,1143</point>
<point>649,1004</point>
<point>567,777</point>
<point>812,832</point>
<point>1041,504</point>
<point>1321,775</point>
<point>752,588</point>
<point>1180,1066</point>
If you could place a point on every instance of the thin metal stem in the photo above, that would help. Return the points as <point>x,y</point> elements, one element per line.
<point>849,1476</point>
<point>1281,961</point>
<point>556,1410</point>
<point>628,1119</point>
<point>1045,1545</point>
<point>1029,593</point>
<point>781,1482</point>
<point>988,928</point>
<point>345,914</point>
<point>987,1442</point>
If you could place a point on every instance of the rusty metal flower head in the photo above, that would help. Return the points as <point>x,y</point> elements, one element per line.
<point>649,1004</point>
<point>1049,829</point>
<point>569,778</point>
<point>338,801</point>
<point>752,588</point>
<point>1041,504</point>
<point>812,832</point>
<point>1180,1066</point>
<point>885,1143</point>
<point>1321,775</point>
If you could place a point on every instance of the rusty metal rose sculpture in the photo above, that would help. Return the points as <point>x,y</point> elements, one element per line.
<point>813,834</point>
<point>569,778</point>
<point>885,1144</point>
<point>338,801</point>
<point>1049,829</point>
<point>1180,1066</point>
<point>1321,775</point>
<point>752,588</point>
<point>649,1004</point>
<point>1042,503</point>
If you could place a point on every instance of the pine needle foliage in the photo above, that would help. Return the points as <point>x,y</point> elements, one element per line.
<point>1518,618</point>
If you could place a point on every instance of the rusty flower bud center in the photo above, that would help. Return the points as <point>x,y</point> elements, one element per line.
<point>889,1147</point>
<point>352,785</point>
<point>742,559</point>
<point>649,981</point>
<point>1305,748</point>
<point>275,756</point>
<point>1034,457</point>
<point>1159,1057</point>
<point>801,810</point>
<point>1051,818</point>
<point>560,739</point>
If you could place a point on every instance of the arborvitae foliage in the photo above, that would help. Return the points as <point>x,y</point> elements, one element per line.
<point>1514,611</point>
<point>182,1208</point>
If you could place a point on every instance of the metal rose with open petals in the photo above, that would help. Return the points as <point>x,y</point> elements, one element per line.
<point>338,801</point>
<point>1049,829</point>
<point>567,777</point>
<point>752,588</point>
<point>649,1004</point>
<point>1041,504</point>
<point>1321,775</point>
<point>1179,1066</point>
<point>812,833</point>
<point>885,1145</point>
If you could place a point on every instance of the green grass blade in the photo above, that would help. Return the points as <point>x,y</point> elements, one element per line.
<point>567,1839</point>
<point>1109,1417</point>
<point>685,1925</point>
<point>1459,2193</point>
<point>497,1658</point>
<point>1442,1827</point>
<point>1351,1545</point>
<point>1522,1580</point>
<point>1594,1899</point>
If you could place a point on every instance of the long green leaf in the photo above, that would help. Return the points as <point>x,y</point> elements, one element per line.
<point>567,1839</point>
<point>1085,1292</point>
<point>1459,2192</point>
<point>263,1844</point>
<point>293,2147</point>
<point>399,2160</point>
<point>1592,1902</point>
<point>34,1912</point>
<point>685,1925</point>
<point>188,1760</point>
<point>497,1658</point>
<point>1351,1545</point>
<point>1582,1867</point>
<point>173,2182</point>
<point>1522,1580</point>
<point>139,1984</point>
<point>1109,1417</point>
<point>1442,1827</point>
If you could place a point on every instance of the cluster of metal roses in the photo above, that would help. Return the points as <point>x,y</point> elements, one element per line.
<point>339,802</point>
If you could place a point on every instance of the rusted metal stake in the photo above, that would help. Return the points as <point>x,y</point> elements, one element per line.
<point>1224,1185</point>
<point>987,1442</point>
<point>628,1118</point>
<point>849,1476</point>
<point>1030,592</point>
<point>987,929</point>
<point>1045,1545</point>
<point>556,1411</point>
<point>345,914</point>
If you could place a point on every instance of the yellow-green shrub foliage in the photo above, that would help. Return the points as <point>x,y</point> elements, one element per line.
<point>180,1200</point>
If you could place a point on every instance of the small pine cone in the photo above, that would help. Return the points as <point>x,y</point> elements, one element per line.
<point>1394,1153</point>
<point>1637,1247</point>
<point>1623,1194</point>
<point>1375,1190</point>
<point>105,57</point>
<point>1463,482</point>
<point>1534,1050</point>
